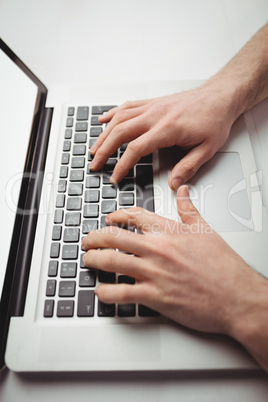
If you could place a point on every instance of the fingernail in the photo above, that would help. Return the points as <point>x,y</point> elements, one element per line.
<point>176,183</point>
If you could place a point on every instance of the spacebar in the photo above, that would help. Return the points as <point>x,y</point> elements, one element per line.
<point>144,187</point>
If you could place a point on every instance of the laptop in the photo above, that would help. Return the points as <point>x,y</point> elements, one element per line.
<point>50,318</point>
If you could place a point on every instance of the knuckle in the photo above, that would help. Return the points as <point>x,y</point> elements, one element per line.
<point>189,168</point>
<point>134,147</point>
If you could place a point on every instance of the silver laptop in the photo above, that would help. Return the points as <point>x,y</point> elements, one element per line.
<point>50,318</point>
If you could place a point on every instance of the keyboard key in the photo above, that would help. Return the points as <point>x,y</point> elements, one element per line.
<point>146,159</point>
<point>79,150</point>
<point>51,287</point>
<point>87,278</point>
<point>75,189</point>
<point>92,142</point>
<point>82,113</point>
<point>95,131</point>
<point>48,308</point>
<point>78,162</point>
<point>108,206</point>
<point>68,133</point>
<point>106,277</point>
<point>103,223</point>
<point>82,265</point>
<point>72,219</point>
<point>56,232</point>
<point>126,185</point>
<point>76,175</point>
<point>70,252</point>
<point>69,122</point>
<point>95,121</point>
<point>71,235</point>
<point>126,279</point>
<point>147,312</point>
<point>106,178</point>
<point>106,310</point>
<point>62,184</point>
<point>92,182</point>
<point>89,225</point>
<point>109,192</point>
<point>60,200</point>
<point>70,111</point>
<point>124,146</point>
<point>74,204</point>
<point>65,158</point>
<point>53,268</point>
<point>66,146</point>
<point>85,306</point>
<point>101,109</point>
<point>144,191</point>
<point>63,172</point>
<point>126,199</point>
<point>92,196</point>
<point>67,288</point>
<point>80,138</point>
<point>91,211</point>
<point>126,310</point>
<point>55,250</point>
<point>58,216</point>
<point>65,308</point>
<point>68,270</point>
<point>109,165</point>
<point>81,126</point>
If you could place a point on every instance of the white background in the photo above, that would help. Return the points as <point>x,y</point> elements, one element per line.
<point>99,41</point>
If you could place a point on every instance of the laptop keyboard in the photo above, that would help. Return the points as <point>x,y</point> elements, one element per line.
<point>83,200</point>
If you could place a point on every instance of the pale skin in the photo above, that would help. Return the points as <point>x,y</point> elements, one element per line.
<point>185,271</point>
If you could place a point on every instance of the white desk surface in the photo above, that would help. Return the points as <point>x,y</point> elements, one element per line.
<point>93,41</point>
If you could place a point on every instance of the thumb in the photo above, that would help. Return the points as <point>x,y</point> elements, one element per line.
<point>187,167</point>
<point>186,209</point>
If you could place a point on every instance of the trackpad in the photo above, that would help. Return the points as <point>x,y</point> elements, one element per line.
<point>218,191</point>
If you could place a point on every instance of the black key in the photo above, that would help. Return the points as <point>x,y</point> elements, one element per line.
<point>67,288</point>
<point>80,138</point>
<point>51,287</point>
<point>62,184</point>
<point>147,312</point>
<point>58,216</point>
<point>81,126</point>
<point>146,159</point>
<point>130,173</point>
<point>76,175</point>
<point>126,185</point>
<point>78,162</point>
<point>66,146</point>
<point>65,158</point>
<point>87,278</point>
<point>68,133</point>
<point>109,192</point>
<point>89,225</point>
<point>126,310</point>
<point>101,109</point>
<point>79,149</point>
<point>108,206</point>
<point>82,113</point>
<point>74,204</point>
<point>124,146</point>
<point>109,165</point>
<point>91,211</point>
<point>95,131</point>
<point>85,306</point>
<point>56,232</point>
<point>95,121</point>
<point>126,279</point>
<point>106,310</point>
<point>63,172</point>
<point>69,122</point>
<point>65,308</point>
<point>106,277</point>
<point>75,189</point>
<point>60,200</point>
<point>48,308</point>
<point>89,156</point>
<point>126,199</point>
<point>53,268</point>
<point>68,270</point>
<point>72,219</point>
<point>55,250</point>
<point>71,235</point>
<point>92,196</point>
<point>144,188</point>
<point>70,252</point>
<point>70,111</point>
<point>92,182</point>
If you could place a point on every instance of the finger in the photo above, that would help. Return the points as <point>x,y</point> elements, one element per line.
<point>115,237</point>
<point>120,116</point>
<point>145,221</point>
<point>106,117</point>
<point>121,293</point>
<point>114,261</point>
<point>122,133</point>
<point>187,167</point>
<point>187,211</point>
